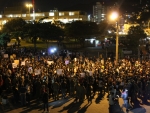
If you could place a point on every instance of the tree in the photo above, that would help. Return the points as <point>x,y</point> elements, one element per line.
<point>103,27</point>
<point>4,39</point>
<point>32,30</point>
<point>14,28</point>
<point>79,30</point>
<point>135,34</point>
<point>49,32</point>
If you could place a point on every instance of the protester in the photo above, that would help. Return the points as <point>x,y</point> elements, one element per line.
<point>124,96</point>
<point>1,84</point>
<point>45,100</point>
<point>73,75</point>
<point>111,101</point>
<point>23,91</point>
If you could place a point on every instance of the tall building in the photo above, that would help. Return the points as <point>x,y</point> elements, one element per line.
<point>99,12</point>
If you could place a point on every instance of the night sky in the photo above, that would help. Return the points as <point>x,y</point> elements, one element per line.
<point>46,5</point>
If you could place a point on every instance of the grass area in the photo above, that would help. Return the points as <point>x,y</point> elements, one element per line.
<point>40,45</point>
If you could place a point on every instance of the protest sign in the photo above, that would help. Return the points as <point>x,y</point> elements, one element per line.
<point>37,71</point>
<point>50,62</point>
<point>66,62</point>
<point>16,62</point>
<point>5,55</point>
<point>30,70</point>
<point>90,73</point>
<point>82,74</point>
<point>59,71</point>
<point>22,63</point>
<point>14,65</point>
<point>102,61</point>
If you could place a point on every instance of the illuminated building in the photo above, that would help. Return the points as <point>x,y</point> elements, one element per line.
<point>99,12</point>
<point>53,15</point>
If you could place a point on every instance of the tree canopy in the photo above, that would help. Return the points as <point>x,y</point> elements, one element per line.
<point>135,34</point>
<point>80,30</point>
<point>14,27</point>
<point>49,31</point>
<point>4,38</point>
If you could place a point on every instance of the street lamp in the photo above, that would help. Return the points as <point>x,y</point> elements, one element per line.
<point>148,24</point>
<point>114,16</point>
<point>29,6</point>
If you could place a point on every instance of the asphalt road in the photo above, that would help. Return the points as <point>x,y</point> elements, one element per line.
<point>98,105</point>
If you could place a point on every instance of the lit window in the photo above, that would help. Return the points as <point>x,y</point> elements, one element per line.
<point>71,13</point>
<point>17,15</point>
<point>39,14</point>
<point>9,15</point>
<point>51,14</point>
<point>61,13</point>
<point>0,16</point>
<point>23,15</point>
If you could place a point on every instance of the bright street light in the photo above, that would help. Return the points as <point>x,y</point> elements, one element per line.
<point>114,16</point>
<point>29,6</point>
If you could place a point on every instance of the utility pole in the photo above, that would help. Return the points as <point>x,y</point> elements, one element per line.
<point>33,9</point>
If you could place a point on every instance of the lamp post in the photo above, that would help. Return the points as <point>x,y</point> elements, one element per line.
<point>29,6</point>
<point>148,24</point>
<point>114,16</point>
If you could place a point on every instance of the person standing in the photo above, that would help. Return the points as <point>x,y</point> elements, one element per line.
<point>55,86</point>
<point>23,91</point>
<point>63,88</point>
<point>72,87</point>
<point>111,102</point>
<point>28,87</point>
<point>124,96</point>
<point>45,100</point>
<point>88,92</point>
<point>1,84</point>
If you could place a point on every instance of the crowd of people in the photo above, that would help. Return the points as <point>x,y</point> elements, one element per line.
<point>29,75</point>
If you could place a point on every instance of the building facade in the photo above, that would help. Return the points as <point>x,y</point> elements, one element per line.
<point>52,15</point>
<point>99,12</point>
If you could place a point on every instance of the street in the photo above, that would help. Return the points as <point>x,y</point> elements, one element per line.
<point>98,105</point>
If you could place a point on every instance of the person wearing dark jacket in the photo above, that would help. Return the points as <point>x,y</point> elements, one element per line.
<point>23,95</point>
<point>63,88</point>
<point>45,100</point>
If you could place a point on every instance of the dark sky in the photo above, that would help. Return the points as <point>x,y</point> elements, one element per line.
<point>46,5</point>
